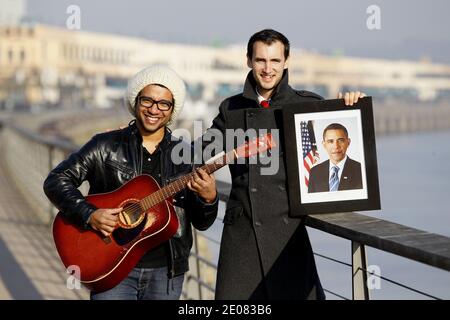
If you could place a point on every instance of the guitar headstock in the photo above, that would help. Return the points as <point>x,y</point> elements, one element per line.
<point>255,146</point>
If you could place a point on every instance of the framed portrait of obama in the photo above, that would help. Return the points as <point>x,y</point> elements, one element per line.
<point>331,157</point>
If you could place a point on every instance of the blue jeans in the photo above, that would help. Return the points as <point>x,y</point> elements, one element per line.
<point>144,284</point>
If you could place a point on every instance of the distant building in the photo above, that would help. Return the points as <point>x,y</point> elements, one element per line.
<point>48,66</point>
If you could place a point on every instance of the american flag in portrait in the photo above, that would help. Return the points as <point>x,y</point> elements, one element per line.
<point>310,155</point>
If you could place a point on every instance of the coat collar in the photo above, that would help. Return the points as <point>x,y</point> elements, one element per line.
<point>282,91</point>
<point>165,142</point>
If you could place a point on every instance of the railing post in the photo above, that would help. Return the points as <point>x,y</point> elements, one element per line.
<point>360,290</point>
<point>197,263</point>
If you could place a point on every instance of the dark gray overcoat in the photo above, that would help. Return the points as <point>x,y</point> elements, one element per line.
<point>264,253</point>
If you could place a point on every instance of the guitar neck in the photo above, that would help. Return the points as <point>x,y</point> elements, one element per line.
<point>181,183</point>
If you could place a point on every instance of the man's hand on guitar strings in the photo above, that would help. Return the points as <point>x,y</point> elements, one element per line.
<point>105,220</point>
<point>204,185</point>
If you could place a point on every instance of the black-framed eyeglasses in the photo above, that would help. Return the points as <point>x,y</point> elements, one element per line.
<point>147,102</point>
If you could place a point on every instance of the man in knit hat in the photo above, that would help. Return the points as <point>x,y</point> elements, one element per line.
<point>154,97</point>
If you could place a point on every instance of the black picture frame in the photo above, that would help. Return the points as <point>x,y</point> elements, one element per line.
<point>363,192</point>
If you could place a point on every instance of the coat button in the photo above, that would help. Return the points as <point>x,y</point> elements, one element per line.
<point>281,187</point>
<point>253,189</point>
<point>258,224</point>
<point>250,114</point>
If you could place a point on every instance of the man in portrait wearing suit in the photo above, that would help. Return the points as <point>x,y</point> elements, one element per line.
<point>339,172</point>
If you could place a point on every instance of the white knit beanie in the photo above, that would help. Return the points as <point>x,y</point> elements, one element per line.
<point>161,75</point>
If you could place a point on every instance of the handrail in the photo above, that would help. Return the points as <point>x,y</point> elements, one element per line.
<point>415,244</point>
<point>51,142</point>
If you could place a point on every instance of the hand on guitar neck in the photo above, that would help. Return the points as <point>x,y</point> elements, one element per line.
<point>105,220</point>
<point>204,185</point>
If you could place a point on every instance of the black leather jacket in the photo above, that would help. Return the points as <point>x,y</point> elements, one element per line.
<point>110,159</point>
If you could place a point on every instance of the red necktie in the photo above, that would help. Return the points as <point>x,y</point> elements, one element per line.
<point>265,104</point>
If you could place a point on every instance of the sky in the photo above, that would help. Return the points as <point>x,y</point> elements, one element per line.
<point>414,30</point>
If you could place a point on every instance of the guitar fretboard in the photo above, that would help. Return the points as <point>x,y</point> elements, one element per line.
<point>179,184</point>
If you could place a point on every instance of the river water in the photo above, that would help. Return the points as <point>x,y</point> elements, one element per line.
<point>414,188</point>
<point>414,175</point>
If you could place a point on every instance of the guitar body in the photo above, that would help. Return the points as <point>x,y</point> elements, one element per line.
<point>105,261</point>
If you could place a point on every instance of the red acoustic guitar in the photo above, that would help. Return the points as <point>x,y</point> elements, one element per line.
<point>147,220</point>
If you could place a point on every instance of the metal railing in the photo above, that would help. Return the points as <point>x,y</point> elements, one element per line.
<point>28,159</point>
<point>362,231</point>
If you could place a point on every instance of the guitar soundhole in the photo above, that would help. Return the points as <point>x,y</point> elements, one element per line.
<point>124,236</point>
<point>131,215</point>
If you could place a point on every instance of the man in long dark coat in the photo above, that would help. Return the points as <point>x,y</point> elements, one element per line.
<point>264,253</point>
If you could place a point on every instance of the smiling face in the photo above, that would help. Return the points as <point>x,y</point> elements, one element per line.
<point>150,119</point>
<point>267,63</point>
<point>336,142</point>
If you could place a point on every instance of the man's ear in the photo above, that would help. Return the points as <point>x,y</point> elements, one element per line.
<point>349,141</point>
<point>249,63</point>
<point>286,63</point>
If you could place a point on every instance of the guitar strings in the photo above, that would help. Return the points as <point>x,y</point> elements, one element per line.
<point>136,208</point>
<point>155,196</point>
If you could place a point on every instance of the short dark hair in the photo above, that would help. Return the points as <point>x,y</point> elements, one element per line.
<point>268,36</point>
<point>335,126</point>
